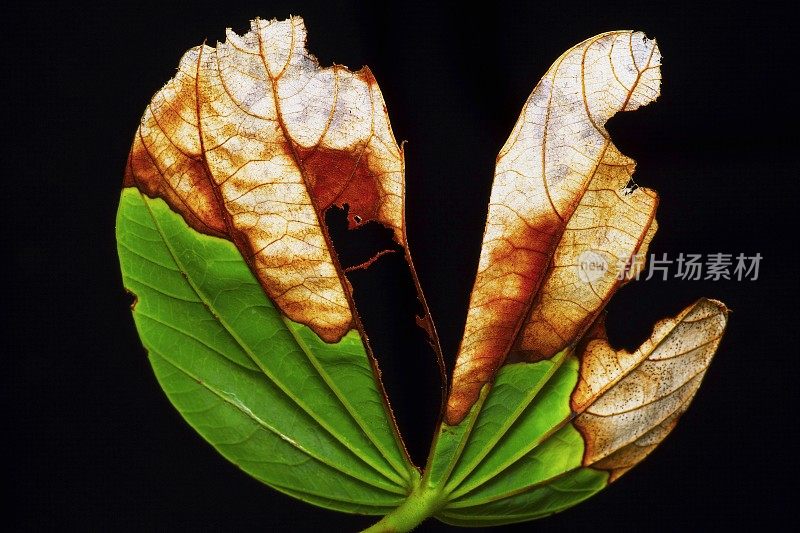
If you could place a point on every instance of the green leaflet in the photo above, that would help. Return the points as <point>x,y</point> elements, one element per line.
<point>515,456</point>
<point>301,415</point>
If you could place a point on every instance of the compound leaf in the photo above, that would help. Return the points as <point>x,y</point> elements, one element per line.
<point>250,323</point>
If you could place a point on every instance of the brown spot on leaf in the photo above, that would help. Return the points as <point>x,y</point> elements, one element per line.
<point>338,177</point>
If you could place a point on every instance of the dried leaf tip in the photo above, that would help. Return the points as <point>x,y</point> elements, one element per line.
<point>253,141</point>
<point>627,403</point>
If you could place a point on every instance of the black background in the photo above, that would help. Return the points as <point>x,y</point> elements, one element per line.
<point>93,444</point>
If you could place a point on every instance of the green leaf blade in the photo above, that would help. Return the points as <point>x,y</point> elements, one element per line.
<point>522,458</point>
<point>560,453</point>
<point>352,379</point>
<point>201,312</point>
<point>509,399</point>
<point>544,413</point>
<point>537,502</point>
<point>262,451</point>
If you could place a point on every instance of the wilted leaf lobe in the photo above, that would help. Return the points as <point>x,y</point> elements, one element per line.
<point>627,403</point>
<point>559,191</point>
<point>253,141</point>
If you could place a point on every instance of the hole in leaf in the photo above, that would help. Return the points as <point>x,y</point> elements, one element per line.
<point>386,300</point>
<point>630,187</point>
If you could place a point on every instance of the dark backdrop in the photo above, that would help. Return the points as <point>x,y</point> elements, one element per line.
<point>91,441</point>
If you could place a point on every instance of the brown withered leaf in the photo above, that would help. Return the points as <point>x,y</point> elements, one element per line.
<point>253,141</point>
<point>561,191</point>
<point>627,403</point>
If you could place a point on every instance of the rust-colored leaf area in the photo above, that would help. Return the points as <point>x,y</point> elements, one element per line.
<point>338,178</point>
<point>252,140</point>
<point>562,196</point>
<point>627,403</point>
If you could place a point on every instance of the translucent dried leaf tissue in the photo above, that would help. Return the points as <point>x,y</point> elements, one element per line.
<point>250,322</point>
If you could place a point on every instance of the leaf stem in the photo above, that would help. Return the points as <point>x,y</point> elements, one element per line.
<point>423,502</point>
